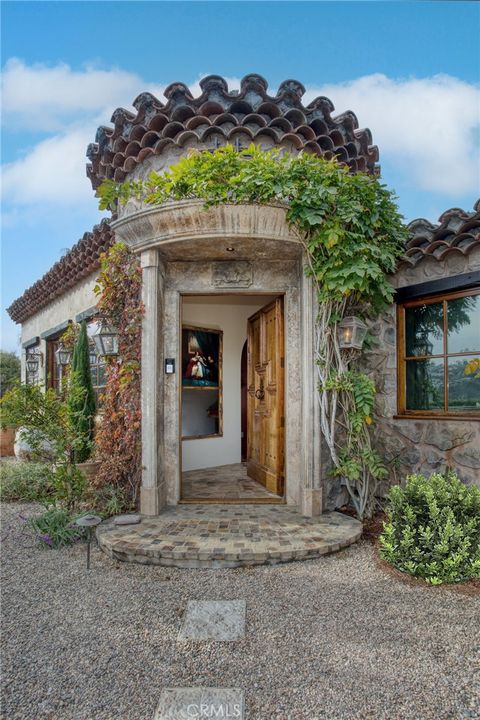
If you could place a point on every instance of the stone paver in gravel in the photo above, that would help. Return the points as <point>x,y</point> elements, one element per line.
<point>334,638</point>
<point>216,536</point>
<point>195,703</point>
<point>222,620</point>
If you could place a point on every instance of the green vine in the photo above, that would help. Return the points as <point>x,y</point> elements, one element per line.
<point>353,235</point>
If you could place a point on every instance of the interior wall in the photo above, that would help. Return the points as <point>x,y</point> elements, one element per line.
<point>230,314</point>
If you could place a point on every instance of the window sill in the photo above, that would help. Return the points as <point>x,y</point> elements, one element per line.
<point>437,417</point>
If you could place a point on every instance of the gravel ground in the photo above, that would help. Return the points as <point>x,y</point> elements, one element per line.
<point>339,638</point>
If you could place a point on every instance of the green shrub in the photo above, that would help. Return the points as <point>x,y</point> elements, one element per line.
<point>55,528</point>
<point>433,529</point>
<point>81,397</point>
<point>25,481</point>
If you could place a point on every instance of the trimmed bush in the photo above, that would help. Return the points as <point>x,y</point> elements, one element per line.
<point>433,529</point>
<point>25,481</point>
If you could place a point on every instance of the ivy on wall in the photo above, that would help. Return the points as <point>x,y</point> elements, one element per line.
<point>118,440</point>
<point>353,235</point>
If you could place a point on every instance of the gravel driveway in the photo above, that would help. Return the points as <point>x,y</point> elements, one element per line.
<point>330,639</point>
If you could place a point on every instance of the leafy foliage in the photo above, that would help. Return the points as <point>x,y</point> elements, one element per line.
<point>433,529</point>
<point>27,481</point>
<point>47,417</point>
<point>353,229</point>
<point>9,371</point>
<point>118,444</point>
<point>82,403</point>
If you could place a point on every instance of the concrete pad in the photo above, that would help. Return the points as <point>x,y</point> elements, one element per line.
<point>222,620</point>
<point>200,703</point>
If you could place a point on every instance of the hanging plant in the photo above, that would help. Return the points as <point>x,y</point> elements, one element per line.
<point>353,236</point>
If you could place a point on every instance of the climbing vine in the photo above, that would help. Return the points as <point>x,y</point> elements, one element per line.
<point>353,235</point>
<point>117,440</point>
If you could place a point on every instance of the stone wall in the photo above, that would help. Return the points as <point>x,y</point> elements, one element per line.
<point>418,445</point>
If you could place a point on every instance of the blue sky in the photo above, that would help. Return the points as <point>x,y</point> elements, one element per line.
<point>409,70</point>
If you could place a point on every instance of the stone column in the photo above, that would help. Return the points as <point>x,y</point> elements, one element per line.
<point>152,493</point>
<point>311,486</point>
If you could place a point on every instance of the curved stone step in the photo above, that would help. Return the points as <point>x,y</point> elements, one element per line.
<point>223,536</point>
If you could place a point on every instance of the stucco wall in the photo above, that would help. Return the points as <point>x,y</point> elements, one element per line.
<point>79,298</point>
<point>415,445</point>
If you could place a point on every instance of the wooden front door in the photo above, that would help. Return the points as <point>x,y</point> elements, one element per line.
<point>265,399</point>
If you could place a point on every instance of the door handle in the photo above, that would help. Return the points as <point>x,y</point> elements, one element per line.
<point>259,394</point>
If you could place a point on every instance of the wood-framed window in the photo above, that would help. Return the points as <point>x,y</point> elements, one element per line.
<point>438,338</point>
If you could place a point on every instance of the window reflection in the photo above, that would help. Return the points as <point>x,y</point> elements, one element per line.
<point>424,330</point>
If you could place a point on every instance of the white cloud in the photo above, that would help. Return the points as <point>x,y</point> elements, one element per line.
<point>45,97</point>
<point>429,127</point>
<point>52,172</point>
<point>425,128</point>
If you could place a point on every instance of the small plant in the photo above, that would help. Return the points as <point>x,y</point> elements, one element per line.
<point>433,529</point>
<point>55,528</point>
<point>25,481</point>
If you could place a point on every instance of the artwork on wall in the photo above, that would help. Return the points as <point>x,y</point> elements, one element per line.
<point>201,357</point>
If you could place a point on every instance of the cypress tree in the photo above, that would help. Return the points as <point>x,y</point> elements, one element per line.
<point>81,402</point>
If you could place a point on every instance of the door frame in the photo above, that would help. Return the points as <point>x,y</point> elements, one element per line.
<point>281,499</point>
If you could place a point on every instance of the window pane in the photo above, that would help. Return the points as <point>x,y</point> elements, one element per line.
<point>464,324</point>
<point>424,330</point>
<point>463,387</point>
<point>425,384</point>
<point>102,376</point>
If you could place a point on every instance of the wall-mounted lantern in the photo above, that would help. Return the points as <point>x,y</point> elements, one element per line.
<point>351,333</point>
<point>105,338</point>
<point>33,360</point>
<point>63,355</point>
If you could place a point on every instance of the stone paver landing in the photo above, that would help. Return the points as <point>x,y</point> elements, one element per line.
<point>219,536</point>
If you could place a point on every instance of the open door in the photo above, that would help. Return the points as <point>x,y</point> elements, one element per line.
<point>265,399</point>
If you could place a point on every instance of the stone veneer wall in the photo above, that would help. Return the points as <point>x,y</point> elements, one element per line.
<point>414,445</point>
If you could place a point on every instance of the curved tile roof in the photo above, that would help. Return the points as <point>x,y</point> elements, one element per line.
<point>457,232</point>
<point>220,115</point>
<point>79,262</point>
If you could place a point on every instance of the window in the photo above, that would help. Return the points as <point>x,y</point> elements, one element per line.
<point>56,373</point>
<point>97,363</point>
<point>32,352</point>
<point>438,338</point>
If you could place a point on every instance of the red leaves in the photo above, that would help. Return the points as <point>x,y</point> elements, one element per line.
<point>118,438</point>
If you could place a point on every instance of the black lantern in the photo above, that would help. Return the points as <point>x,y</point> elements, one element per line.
<point>63,355</point>
<point>33,361</point>
<point>105,338</point>
<point>351,333</point>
